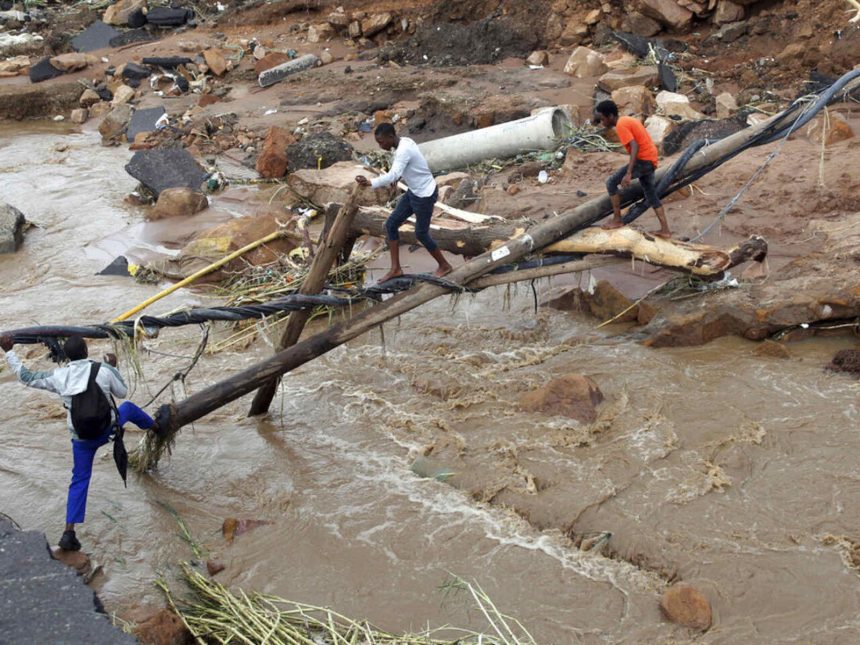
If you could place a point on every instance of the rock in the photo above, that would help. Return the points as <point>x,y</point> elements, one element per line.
<point>636,99</point>
<point>12,223</point>
<point>667,12</point>
<point>451,179</point>
<point>80,115</point>
<point>672,104</point>
<point>338,19</point>
<point>16,66</point>
<point>334,185</point>
<point>166,168</point>
<point>574,395</point>
<point>640,24</point>
<point>135,72</point>
<point>539,57</point>
<point>22,101</point>
<point>233,527</point>
<point>658,128</point>
<point>431,469</point>
<point>272,162</point>
<point>726,105</point>
<point>143,121</point>
<point>574,33</point>
<point>375,23</point>
<point>97,36</point>
<point>123,94</point>
<point>730,32</point>
<point>327,58</point>
<point>593,17</point>
<point>214,567</point>
<point>89,98</point>
<point>73,61</point>
<point>215,61</point>
<point>644,75</point>
<point>845,360</point>
<point>772,349</point>
<point>114,124</point>
<point>585,62</point>
<point>178,202</point>
<point>163,628</point>
<point>318,150</point>
<point>728,11</point>
<point>119,12</point>
<point>831,128</point>
<point>43,71</point>
<point>354,29</point>
<point>270,60</point>
<point>76,560</point>
<point>683,605</point>
<point>20,44</point>
<point>169,17</point>
<point>320,32</point>
<point>791,52</point>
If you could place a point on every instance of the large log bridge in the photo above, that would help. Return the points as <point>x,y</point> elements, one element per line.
<point>536,238</point>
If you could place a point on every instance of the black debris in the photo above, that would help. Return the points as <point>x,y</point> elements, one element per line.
<point>167,62</point>
<point>131,36</point>
<point>144,121</point>
<point>160,169</point>
<point>43,70</point>
<point>97,36</point>
<point>168,17</point>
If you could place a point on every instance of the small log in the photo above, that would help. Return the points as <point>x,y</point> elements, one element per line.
<point>326,255</point>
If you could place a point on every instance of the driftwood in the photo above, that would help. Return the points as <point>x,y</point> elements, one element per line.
<point>174,416</point>
<point>470,240</point>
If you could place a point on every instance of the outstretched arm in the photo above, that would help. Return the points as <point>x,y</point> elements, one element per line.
<point>41,380</point>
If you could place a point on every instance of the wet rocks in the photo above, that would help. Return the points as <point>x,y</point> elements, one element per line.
<point>233,527</point>
<point>178,202</point>
<point>79,115</point>
<point>319,150</point>
<point>159,170</point>
<point>585,62</point>
<point>601,300</point>
<point>163,628</point>
<point>574,395</point>
<point>615,79</point>
<point>25,101</point>
<point>78,561</point>
<point>214,567</point>
<point>684,605</point>
<point>771,349</point>
<point>114,125</point>
<point>272,162</point>
<point>12,223</point>
<point>846,360</point>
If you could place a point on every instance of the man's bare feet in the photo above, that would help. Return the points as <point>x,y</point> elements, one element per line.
<point>614,223</point>
<point>394,273</point>
<point>443,270</point>
<point>666,235</point>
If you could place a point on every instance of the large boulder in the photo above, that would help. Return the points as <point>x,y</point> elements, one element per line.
<point>12,225</point>
<point>644,75</point>
<point>585,62</point>
<point>119,12</point>
<point>319,150</point>
<point>636,99</point>
<point>667,12</point>
<point>686,606</point>
<point>334,185</point>
<point>159,170</point>
<point>574,395</point>
<point>178,202</point>
<point>272,162</point>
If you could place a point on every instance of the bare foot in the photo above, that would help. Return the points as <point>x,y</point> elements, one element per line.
<point>444,269</point>
<point>616,223</point>
<point>666,235</point>
<point>394,273</point>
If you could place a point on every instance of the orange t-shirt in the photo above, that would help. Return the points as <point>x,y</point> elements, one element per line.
<point>630,129</point>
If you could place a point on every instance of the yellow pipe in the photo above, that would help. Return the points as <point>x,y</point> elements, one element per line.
<point>215,265</point>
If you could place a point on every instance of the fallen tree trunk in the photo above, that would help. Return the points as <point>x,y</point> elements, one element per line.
<point>463,239</point>
<point>172,417</point>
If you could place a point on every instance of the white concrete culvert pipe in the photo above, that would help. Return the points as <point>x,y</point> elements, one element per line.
<point>541,131</point>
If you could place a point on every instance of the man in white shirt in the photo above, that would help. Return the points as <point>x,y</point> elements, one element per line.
<point>410,165</point>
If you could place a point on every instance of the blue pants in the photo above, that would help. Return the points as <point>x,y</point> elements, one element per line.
<point>83,453</point>
<point>422,207</point>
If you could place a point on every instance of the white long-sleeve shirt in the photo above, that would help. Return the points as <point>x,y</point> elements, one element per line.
<point>69,380</point>
<point>410,165</point>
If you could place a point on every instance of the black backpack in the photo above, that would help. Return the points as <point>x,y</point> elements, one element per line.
<point>90,409</point>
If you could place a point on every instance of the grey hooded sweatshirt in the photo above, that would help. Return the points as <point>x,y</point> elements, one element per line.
<point>69,380</point>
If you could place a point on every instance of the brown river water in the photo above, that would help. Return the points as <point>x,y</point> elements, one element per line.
<point>737,473</point>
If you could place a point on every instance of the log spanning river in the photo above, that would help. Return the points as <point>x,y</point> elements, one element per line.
<point>734,472</point>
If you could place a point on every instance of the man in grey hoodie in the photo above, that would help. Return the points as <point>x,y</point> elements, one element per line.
<point>68,381</point>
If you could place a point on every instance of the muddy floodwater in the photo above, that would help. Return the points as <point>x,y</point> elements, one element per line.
<point>735,472</point>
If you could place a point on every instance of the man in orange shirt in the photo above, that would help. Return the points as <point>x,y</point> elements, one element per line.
<point>642,164</point>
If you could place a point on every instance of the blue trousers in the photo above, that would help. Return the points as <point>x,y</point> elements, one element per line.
<point>83,453</point>
<point>422,207</point>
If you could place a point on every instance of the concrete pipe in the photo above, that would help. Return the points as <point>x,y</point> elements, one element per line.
<point>279,73</point>
<point>541,131</point>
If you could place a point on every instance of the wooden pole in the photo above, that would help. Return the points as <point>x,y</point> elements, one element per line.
<point>172,417</point>
<point>326,254</point>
